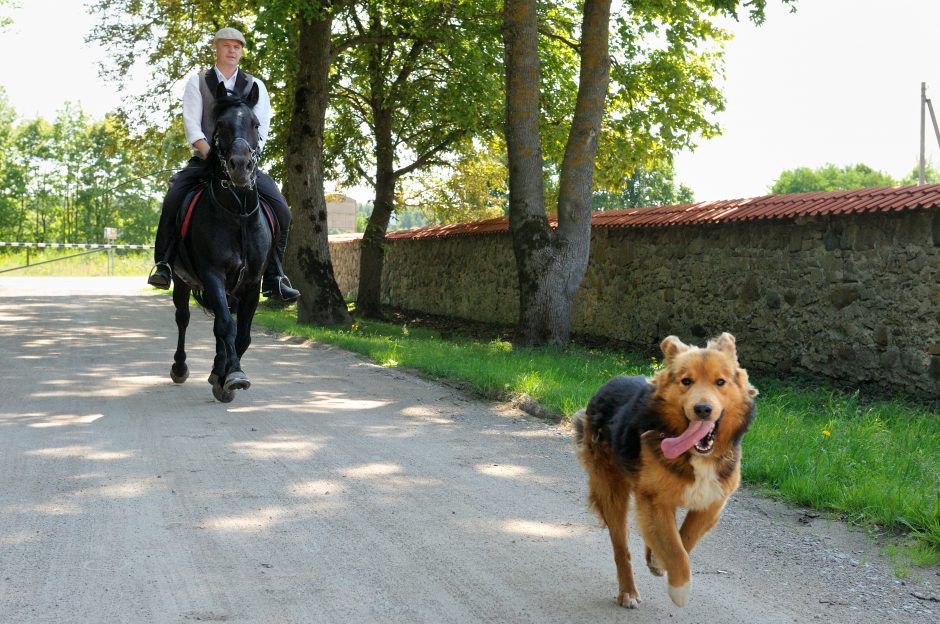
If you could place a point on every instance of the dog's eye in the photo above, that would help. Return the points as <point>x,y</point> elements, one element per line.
<point>686,381</point>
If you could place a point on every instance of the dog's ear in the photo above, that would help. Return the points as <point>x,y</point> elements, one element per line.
<point>726,343</point>
<point>672,347</point>
<point>740,376</point>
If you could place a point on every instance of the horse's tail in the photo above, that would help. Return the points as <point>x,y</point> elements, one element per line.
<point>200,297</point>
<point>202,300</point>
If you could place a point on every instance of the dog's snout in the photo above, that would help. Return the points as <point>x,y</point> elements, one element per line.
<point>703,410</point>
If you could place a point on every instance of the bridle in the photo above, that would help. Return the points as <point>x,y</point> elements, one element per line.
<point>253,154</point>
<point>245,212</point>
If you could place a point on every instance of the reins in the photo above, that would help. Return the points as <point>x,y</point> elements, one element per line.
<point>244,214</point>
<point>242,195</point>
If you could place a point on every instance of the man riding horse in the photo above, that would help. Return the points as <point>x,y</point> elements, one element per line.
<point>199,125</point>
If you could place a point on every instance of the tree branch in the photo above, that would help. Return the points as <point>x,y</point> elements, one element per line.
<point>428,157</point>
<point>364,175</point>
<point>574,45</point>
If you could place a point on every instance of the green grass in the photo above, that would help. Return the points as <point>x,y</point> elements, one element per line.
<point>872,461</point>
<point>876,463</point>
<point>126,263</point>
<point>560,380</point>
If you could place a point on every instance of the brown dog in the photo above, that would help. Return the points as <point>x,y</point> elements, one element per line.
<point>673,442</point>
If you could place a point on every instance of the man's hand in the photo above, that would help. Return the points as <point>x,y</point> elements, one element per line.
<point>202,146</point>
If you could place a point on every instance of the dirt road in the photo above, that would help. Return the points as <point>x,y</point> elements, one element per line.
<point>336,491</point>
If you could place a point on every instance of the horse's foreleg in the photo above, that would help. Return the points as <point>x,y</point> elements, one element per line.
<point>246,312</point>
<point>223,327</point>
<point>237,379</point>
<point>180,371</point>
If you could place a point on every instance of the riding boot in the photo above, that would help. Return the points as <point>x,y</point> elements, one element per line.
<point>161,274</point>
<point>275,284</point>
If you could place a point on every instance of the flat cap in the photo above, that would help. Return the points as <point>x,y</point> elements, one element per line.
<point>229,33</point>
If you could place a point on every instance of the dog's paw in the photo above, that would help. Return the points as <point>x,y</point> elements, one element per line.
<point>629,601</point>
<point>656,568</point>
<point>680,595</point>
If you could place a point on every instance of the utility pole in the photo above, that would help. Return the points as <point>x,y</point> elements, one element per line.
<point>923,128</point>
<point>926,106</point>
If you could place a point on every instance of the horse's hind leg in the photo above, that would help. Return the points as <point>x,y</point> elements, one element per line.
<point>180,371</point>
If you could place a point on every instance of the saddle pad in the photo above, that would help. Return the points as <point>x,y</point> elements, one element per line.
<point>184,228</point>
<point>272,222</point>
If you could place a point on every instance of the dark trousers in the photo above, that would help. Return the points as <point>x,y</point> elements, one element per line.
<point>180,184</point>
<point>186,180</point>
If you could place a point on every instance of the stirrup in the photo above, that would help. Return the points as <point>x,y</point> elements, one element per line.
<point>150,278</point>
<point>281,280</point>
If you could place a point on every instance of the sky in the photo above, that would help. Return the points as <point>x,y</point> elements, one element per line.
<point>836,82</point>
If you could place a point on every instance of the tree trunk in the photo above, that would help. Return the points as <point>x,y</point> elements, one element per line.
<point>551,264</point>
<point>308,257</point>
<point>372,257</point>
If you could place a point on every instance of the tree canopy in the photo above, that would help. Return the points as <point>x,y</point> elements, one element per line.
<point>645,188</point>
<point>831,177</point>
<point>67,179</point>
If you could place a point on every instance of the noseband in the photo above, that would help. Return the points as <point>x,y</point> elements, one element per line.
<point>254,156</point>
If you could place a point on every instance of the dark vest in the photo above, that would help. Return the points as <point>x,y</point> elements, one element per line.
<point>208,83</point>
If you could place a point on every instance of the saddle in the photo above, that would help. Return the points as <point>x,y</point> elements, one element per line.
<point>183,265</point>
<point>189,206</point>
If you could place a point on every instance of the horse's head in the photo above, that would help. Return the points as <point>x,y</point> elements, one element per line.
<point>236,136</point>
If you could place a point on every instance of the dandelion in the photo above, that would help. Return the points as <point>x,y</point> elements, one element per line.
<point>826,432</point>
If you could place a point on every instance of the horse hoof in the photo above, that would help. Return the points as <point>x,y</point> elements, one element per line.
<point>236,380</point>
<point>221,394</point>
<point>179,373</point>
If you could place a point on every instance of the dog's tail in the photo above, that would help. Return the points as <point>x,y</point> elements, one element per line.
<point>578,422</point>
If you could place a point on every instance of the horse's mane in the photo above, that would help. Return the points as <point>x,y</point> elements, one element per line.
<point>231,100</point>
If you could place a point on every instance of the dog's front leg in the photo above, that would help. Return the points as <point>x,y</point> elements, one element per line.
<point>698,522</point>
<point>658,525</point>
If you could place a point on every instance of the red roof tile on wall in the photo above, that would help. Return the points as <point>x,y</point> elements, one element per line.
<point>768,207</point>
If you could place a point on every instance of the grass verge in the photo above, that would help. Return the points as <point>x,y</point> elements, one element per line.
<point>72,262</point>
<point>876,463</point>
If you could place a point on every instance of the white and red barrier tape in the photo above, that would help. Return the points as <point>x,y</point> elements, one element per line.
<point>74,246</point>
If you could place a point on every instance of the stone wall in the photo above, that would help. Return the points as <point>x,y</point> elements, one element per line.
<point>850,297</point>
<point>344,254</point>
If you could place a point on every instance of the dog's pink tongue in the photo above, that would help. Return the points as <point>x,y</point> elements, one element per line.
<point>673,447</point>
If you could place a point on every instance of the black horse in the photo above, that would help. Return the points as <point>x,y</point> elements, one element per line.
<point>226,247</point>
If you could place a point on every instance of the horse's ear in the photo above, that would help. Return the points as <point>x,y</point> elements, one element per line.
<point>220,91</point>
<point>253,95</point>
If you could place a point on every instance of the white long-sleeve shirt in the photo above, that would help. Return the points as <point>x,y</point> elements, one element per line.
<point>192,107</point>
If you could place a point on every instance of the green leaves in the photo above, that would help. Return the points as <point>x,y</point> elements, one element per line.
<point>441,69</point>
<point>66,180</point>
<point>430,71</point>
<point>830,178</point>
